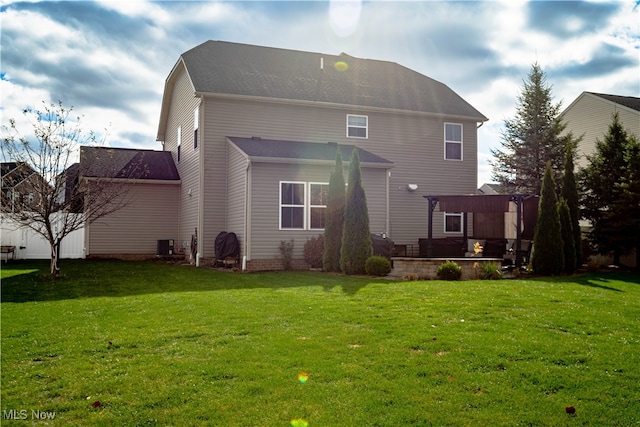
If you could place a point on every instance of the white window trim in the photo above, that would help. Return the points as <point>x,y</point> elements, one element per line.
<point>444,225</point>
<point>196,126</point>
<point>281,205</point>
<point>179,141</point>
<point>461,142</point>
<point>366,127</point>
<point>315,206</point>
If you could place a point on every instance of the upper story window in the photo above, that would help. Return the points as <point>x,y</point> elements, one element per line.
<point>453,141</point>
<point>179,140</point>
<point>317,205</point>
<point>196,123</point>
<point>453,222</point>
<point>292,205</point>
<point>357,126</point>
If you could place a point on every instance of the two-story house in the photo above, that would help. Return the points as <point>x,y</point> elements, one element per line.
<point>254,131</point>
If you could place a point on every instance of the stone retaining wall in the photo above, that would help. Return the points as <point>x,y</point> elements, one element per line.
<point>426,268</point>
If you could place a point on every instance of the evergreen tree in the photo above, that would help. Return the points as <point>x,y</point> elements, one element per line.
<point>603,183</point>
<point>531,139</point>
<point>334,217</point>
<point>548,256</point>
<point>631,196</point>
<point>572,198</point>
<point>356,237</point>
<point>566,227</point>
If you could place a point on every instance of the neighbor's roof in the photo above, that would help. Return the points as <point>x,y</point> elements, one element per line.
<point>217,67</point>
<point>628,101</point>
<point>291,151</point>
<point>103,162</point>
<point>13,173</point>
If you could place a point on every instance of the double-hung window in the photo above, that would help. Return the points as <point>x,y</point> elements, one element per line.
<point>303,205</point>
<point>317,205</point>
<point>196,122</point>
<point>179,140</point>
<point>453,141</point>
<point>357,126</point>
<point>292,205</point>
<point>453,222</point>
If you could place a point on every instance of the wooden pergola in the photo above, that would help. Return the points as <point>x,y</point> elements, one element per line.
<point>485,203</point>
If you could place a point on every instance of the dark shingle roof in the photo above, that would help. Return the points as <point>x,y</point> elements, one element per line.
<point>105,162</point>
<point>240,69</point>
<point>628,101</point>
<point>290,150</point>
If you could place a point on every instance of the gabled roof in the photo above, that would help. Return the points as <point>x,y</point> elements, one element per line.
<point>627,101</point>
<point>13,173</point>
<point>235,69</point>
<point>103,162</point>
<point>258,149</point>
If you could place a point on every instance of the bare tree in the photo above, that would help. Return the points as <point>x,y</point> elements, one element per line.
<point>47,190</point>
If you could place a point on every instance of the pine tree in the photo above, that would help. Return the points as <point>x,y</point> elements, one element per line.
<point>631,196</point>
<point>548,256</point>
<point>572,198</point>
<point>531,139</point>
<point>334,217</point>
<point>602,185</point>
<point>566,227</point>
<point>356,237</point>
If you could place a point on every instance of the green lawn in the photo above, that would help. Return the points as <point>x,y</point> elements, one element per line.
<point>148,343</point>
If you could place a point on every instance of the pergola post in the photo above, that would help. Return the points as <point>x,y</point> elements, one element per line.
<point>433,202</point>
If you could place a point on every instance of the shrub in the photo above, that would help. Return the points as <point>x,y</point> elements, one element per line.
<point>377,266</point>
<point>449,270</point>
<point>314,250</point>
<point>286,253</point>
<point>491,271</point>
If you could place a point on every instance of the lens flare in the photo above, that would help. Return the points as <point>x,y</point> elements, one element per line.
<point>341,66</point>
<point>303,377</point>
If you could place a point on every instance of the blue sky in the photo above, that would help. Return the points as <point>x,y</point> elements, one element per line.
<point>109,59</point>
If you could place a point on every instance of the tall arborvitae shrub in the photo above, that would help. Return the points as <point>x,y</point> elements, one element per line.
<point>548,256</point>
<point>571,196</point>
<point>566,227</point>
<point>356,238</point>
<point>334,218</point>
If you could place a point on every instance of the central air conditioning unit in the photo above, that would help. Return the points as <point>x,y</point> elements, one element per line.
<point>165,248</point>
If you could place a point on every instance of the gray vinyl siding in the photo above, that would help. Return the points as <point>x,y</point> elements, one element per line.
<point>236,197</point>
<point>591,115</point>
<point>148,217</point>
<point>415,143</point>
<point>181,114</point>
<point>265,204</point>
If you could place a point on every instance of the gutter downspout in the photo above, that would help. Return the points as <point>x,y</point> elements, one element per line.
<point>247,238</point>
<point>201,144</point>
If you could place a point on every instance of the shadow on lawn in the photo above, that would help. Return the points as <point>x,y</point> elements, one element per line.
<point>601,280</point>
<point>26,281</point>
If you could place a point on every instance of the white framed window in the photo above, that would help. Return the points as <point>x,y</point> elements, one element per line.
<point>318,193</point>
<point>357,126</point>
<point>453,222</point>
<point>196,122</point>
<point>179,140</point>
<point>453,141</point>
<point>292,205</point>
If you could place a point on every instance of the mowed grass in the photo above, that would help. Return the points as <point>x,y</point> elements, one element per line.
<point>150,343</point>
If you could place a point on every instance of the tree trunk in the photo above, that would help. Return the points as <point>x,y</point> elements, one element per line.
<point>54,261</point>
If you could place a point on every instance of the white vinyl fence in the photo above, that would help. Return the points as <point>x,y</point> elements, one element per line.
<point>30,245</point>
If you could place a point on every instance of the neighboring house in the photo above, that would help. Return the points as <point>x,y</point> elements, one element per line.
<point>591,114</point>
<point>149,185</point>
<point>254,131</point>
<point>19,186</point>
